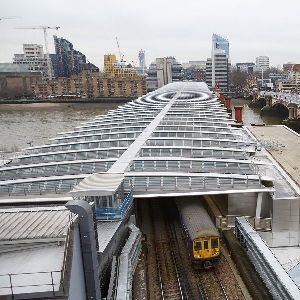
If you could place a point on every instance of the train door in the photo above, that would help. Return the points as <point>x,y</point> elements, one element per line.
<point>206,248</point>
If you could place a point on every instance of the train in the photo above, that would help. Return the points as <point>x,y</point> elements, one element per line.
<point>201,235</point>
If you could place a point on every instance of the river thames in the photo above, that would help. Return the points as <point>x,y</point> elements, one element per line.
<point>23,125</point>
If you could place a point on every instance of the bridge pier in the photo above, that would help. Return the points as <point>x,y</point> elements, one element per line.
<point>292,112</point>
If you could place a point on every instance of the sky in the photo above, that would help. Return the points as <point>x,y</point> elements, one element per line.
<point>162,28</point>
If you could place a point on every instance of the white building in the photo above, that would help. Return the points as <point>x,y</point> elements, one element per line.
<point>262,62</point>
<point>35,58</point>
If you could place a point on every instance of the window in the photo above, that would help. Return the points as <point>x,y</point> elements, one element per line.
<point>214,243</point>
<point>205,245</point>
<point>197,245</point>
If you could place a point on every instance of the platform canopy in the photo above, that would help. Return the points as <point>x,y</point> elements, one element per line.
<point>104,184</point>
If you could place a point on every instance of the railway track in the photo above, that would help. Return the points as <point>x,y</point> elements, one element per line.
<point>167,270</point>
<point>169,273</point>
<point>210,286</point>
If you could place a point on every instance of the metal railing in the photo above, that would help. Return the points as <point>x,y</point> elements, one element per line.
<point>263,224</point>
<point>115,213</point>
<point>276,279</point>
<point>39,282</point>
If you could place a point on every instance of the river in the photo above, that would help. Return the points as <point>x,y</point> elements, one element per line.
<point>23,125</point>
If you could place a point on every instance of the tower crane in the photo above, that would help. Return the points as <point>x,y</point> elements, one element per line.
<point>120,53</point>
<point>7,18</point>
<point>44,28</point>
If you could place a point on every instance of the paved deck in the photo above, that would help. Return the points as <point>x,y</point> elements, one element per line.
<point>284,146</point>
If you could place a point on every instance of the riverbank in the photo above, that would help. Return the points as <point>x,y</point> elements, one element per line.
<point>110,100</point>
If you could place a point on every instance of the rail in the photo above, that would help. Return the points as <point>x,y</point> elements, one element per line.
<point>276,279</point>
<point>115,213</point>
<point>123,267</point>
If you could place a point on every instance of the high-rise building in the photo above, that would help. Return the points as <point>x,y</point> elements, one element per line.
<point>68,61</point>
<point>33,56</point>
<point>262,62</point>
<point>142,60</point>
<point>218,66</point>
<point>165,70</point>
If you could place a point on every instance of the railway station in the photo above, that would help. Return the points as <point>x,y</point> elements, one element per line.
<point>121,186</point>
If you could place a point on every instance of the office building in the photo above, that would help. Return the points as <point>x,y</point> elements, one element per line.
<point>218,66</point>
<point>262,63</point>
<point>163,71</point>
<point>33,56</point>
<point>68,61</point>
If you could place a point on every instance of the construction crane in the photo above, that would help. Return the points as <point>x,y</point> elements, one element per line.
<point>44,28</point>
<point>7,18</point>
<point>120,53</point>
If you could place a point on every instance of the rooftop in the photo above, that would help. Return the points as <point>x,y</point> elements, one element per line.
<point>13,68</point>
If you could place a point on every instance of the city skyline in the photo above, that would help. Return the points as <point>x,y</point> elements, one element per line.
<point>249,28</point>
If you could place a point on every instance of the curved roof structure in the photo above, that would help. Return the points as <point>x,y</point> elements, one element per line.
<point>176,140</point>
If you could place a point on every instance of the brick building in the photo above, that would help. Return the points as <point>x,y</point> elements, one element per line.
<point>90,84</point>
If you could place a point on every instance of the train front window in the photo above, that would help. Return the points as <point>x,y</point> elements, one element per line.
<point>205,245</point>
<point>214,243</point>
<point>197,246</point>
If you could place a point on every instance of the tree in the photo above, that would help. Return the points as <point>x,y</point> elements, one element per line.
<point>238,80</point>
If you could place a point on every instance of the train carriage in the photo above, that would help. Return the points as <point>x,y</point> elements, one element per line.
<point>202,236</point>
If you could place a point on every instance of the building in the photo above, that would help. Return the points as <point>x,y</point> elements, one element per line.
<point>295,74</point>
<point>247,67</point>
<point>218,66</point>
<point>16,80</point>
<point>287,67</point>
<point>35,59</point>
<point>196,64</point>
<point>89,83</point>
<point>116,69</point>
<point>67,61</point>
<point>262,63</point>
<point>163,71</point>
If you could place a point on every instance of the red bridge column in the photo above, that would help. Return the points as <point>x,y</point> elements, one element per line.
<point>238,113</point>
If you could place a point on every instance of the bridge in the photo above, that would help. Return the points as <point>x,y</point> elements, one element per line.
<point>178,141</point>
<point>290,101</point>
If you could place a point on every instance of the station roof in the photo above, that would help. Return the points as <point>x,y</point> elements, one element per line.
<point>179,137</point>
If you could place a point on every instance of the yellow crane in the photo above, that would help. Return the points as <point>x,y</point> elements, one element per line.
<point>44,28</point>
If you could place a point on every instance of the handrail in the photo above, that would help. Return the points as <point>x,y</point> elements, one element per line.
<point>51,282</point>
<point>276,279</point>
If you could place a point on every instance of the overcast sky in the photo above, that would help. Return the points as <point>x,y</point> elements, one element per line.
<point>180,28</point>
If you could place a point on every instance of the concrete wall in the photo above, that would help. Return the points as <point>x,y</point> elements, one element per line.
<point>77,283</point>
<point>242,204</point>
<point>285,225</point>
